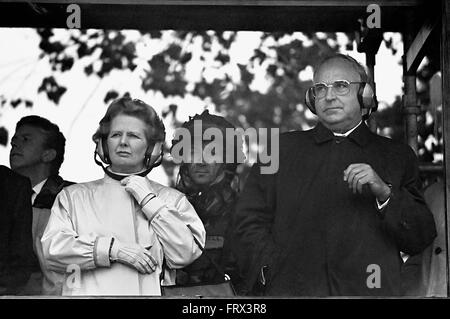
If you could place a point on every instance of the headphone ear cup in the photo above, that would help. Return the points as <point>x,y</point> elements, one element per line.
<point>156,153</point>
<point>100,149</point>
<point>310,100</point>
<point>105,151</point>
<point>366,97</point>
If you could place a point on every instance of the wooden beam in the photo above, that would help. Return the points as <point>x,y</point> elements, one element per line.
<point>301,3</point>
<point>445,69</point>
<point>416,50</point>
<point>251,15</point>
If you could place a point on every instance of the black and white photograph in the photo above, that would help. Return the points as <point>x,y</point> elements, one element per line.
<point>242,151</point>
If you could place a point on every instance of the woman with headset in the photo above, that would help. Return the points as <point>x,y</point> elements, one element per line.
<point>111,236</point>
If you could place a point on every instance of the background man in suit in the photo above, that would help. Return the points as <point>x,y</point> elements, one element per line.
<point>37,153</point>
<point>16,248</point>
<point>343,204</point>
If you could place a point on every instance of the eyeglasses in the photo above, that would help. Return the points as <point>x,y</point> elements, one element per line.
<point>340,87</point>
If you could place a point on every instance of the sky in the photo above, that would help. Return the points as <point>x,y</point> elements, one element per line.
<point>82,106</point>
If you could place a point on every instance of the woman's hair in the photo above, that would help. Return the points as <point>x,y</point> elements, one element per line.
<point>155,131</point>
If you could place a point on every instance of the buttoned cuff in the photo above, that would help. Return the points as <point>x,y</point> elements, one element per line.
<point>152,208</point>
<point>101,251</point>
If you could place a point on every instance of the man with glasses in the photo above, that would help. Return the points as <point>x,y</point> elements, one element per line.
<point>333,220</point>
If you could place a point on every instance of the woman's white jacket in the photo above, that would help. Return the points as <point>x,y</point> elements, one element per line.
<point>86,216</point>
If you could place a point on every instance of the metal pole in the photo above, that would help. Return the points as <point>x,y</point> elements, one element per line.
<point>370,62</point>
<point>410,108</point>
<point>445,69</point>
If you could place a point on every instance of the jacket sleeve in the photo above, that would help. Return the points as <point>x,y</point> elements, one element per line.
<point>63,247</point>
<point>253,243</point>
<point>406,217</point>
<point>179,229</point>
<point>20,253</point>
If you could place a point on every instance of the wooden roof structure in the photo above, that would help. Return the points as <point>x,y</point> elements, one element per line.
<point>425,26</point>
<point>307,16</point>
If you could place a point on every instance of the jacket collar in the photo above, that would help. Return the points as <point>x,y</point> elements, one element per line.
<point>361,135</point>
<point>120,176</point>
<point>48,193</point>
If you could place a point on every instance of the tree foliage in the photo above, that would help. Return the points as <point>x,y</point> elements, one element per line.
<point>280,56</point>
<point>429,125</point>
<point>278,59</point>
<point>230,88</point>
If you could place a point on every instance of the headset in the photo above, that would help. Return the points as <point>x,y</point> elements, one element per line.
<point>151,161</point>
<point>366,96</point>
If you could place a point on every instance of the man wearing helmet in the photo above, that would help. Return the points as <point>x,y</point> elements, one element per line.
<point>210,188</point>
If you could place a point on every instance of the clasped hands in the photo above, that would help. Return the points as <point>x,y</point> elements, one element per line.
<point>360,174</point>
<point>134,256</point>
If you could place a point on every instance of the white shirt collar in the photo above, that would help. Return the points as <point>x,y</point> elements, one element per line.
<point>348,132</point>
<point>36,189</point>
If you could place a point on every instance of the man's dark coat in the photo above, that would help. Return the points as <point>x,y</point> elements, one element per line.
<point>16,249</point>
<point>315,235</point>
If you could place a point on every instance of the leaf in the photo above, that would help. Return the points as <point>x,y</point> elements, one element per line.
<point>185,58</point>
<point>94,35</point>
<point>118,39</point>
<point>260,55</point>
<point>89,69</point>
<point>66,64</point>
<point>272,70</point>
<point>173,108</point>
<point>57,47</point>
<point>56,93</point>
<point>206,46</point>
<point>111,95</point>
<point>246,76</point>
<point>132,66</point>
<point>223,58</point>
<point>15,103</point>
<point>155,34</point>
<point>82,50</point>
<point>129,50</point>
<point>174,51</point>
<point>45,33</point>
<point>3,136</point>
